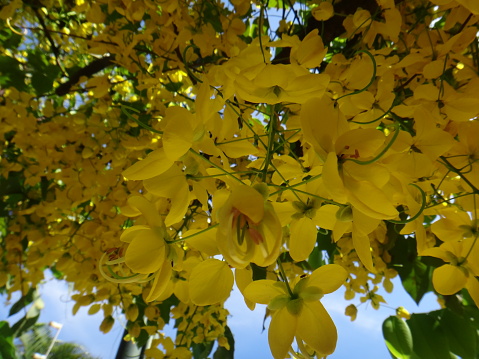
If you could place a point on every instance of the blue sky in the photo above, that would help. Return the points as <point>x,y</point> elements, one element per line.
<point>361,336</point>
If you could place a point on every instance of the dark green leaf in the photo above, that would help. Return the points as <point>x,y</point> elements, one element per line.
<point>23,301</point>
<point>24,324</point>
<point>315,259</point>
<point>202,350</point>
<point>7,348</point>
<point>10,73</point>
<point>429,339</point>
<point>398,337</point>
<point>324,242</point>
<point>258,272</point>
<point>461,334</point>
<point>418,282</point>
<point>165,307</point>
<point>9,39</point>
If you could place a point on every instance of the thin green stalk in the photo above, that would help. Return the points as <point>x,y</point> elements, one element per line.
<point>216,166</point>
<point>285,279</point>
<point>193,235</point>
<point>388,146</point>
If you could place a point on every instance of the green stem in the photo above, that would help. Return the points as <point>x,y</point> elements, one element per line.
<point>423,206</point>
<point>285,279</point>
<point>193,235</point>
<point>138,122</point>
<point>216,166</point>
<point>373,77</point>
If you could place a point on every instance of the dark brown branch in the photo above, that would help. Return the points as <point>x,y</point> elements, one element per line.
<point>89,70</point>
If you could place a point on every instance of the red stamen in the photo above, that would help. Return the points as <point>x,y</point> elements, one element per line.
<point>255,235</point>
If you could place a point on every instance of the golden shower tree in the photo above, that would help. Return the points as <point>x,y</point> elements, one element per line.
<point>156,153</point>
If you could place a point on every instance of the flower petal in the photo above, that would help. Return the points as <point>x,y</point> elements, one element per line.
<point>281,333</point>
<point>328,278</point>
<point>302,239</point>
<point>146,252</point>
<point>317,329</point>
<point>448,279</point>
<point>263,291</point>
<point>162,278</point>
<point>211,282</point>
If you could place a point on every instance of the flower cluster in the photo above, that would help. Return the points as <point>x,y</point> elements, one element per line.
<point>157,153</point>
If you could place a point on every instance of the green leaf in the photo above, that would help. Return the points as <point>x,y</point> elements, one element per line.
<point>202,350</point>
<point>398,337</point>
<point>165,307</point>
<point>429,339</point>
<point>23,301</point>
<point>7,348</point>
<point>10,73</point>
<point>461,334</point>
<point>9,39</point>
<point>414,272</point>
<point>315,259</point>
<point>418,282</point>
<point>258,272</point>
<point>43,73</point>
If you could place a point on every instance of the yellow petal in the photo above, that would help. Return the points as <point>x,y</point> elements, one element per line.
<point>448,279</point>
<point>263,291</point>
<point>281,333</point>
<point>331,179</point>
<point>162,278</point>
<point>204,242</point>
<point>248,201</point>
<point>243,277</point>
<point>317,329</point>
<point>238,149</point>
<point>147,209</point>
<point>211,282</point>
<point>370,200</point>
<point>472,287</point>
<point>152,165</point>
<point>363,250</point>
<point>328,278</point>
<point>178,133</point>
<point>146,253</point>
<point>302,239</point>
<point>130,233</point>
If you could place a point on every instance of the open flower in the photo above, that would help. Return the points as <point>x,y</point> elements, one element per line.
<point>299,313</point>
<point>460,269</point>
<point>249,229</point>
<point>147,250</point>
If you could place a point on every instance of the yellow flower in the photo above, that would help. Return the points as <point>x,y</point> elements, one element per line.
<point>299,313</point>
<point>460,270</point>
<point>249,229</point>
<point>147,250</point>
<point>338,147</point>
<point>281,83</point>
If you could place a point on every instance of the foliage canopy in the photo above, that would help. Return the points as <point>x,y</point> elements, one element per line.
<point>154,153</point>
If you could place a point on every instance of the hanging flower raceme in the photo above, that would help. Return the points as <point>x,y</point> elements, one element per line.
<point>298,313</point>
<point>249,229</point>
